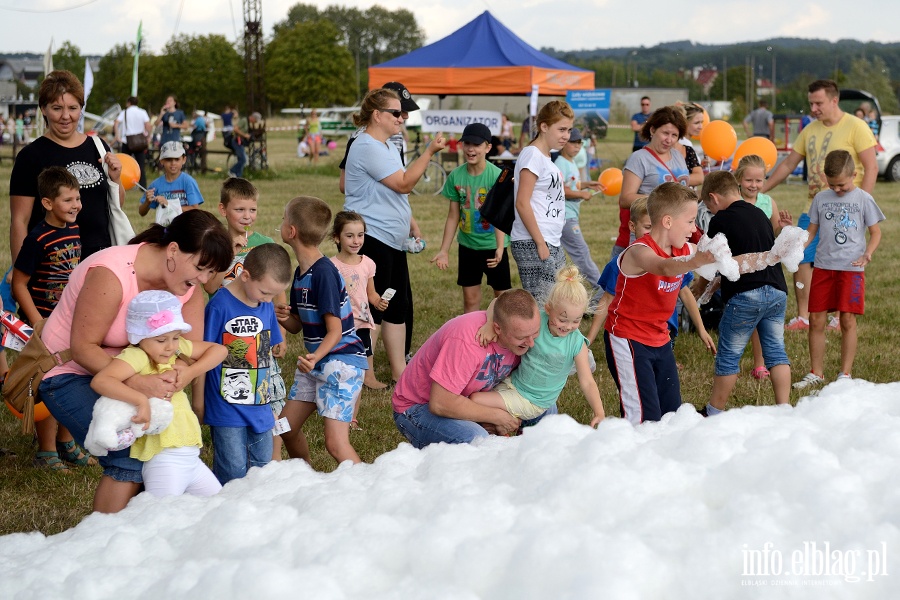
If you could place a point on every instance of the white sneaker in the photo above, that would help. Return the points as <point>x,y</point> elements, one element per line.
<point>797,324</point>
<point>810,380</point>
<point>834,324</point>
<point>843,376</point>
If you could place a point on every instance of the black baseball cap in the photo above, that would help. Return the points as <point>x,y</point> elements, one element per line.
<point>407,104</point>
<point>476,133</point>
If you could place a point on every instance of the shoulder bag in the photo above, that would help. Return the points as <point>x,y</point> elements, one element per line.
<point>499,206</point>
<point>25,374</point>
<point>120,229</point>
<point>136,143</point>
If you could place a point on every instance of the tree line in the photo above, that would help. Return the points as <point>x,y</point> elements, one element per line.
<point>313,58</point>
<point>795,62</point>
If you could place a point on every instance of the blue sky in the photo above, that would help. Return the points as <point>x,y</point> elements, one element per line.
<point>95,26</point>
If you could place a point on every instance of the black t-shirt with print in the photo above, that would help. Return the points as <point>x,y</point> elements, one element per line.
<point>84,163</point>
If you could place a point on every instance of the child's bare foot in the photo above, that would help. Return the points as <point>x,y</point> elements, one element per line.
<point>374,384</point>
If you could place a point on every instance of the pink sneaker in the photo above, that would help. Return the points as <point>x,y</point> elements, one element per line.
<point>797,324</point>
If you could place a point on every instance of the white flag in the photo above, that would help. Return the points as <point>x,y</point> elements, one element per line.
<point>88,84</point>
<point>48,59</point>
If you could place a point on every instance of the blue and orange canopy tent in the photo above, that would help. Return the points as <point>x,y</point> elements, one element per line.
<point>482,57</point>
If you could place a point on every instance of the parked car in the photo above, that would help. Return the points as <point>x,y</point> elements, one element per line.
<point>887,152</point>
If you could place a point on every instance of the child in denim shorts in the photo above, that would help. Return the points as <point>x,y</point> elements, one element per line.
<point>330,377</point>
<point>756,301</point>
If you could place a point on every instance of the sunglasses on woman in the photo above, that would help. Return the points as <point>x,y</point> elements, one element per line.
<point>394,113</point>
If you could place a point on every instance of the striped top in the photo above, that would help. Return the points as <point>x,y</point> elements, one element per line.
<point>318,292</point>
<point>48,256</point>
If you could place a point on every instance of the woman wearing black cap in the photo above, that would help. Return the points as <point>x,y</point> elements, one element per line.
<point>378,187</point>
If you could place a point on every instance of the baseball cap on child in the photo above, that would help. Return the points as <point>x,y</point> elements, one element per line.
<point>575,135</point>
<point>171,150</point>
<point>153,313</point>
<point>476,133</point>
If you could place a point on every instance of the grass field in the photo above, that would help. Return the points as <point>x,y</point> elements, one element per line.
<point>36,500</point>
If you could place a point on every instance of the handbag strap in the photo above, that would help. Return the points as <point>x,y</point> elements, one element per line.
<point>53,359</point>
<point>102,152</point>
<point>656,156</point>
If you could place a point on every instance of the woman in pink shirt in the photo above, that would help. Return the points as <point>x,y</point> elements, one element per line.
<point>90,319</point>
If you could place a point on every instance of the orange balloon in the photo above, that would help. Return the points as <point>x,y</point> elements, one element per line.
<point>611,180</point>
<point>718,140</point>
<point>131,172</point>
<point>705,123</point>
<point>760,146</point>
<point>40,411</point>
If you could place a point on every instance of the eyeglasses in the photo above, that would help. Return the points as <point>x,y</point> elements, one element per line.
<point>394,113</point>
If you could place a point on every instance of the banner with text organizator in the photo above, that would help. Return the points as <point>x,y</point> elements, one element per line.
<point>454,121</point>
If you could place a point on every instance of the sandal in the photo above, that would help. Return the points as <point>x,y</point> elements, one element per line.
<point>72,454</point>
<point>760,373</point>
<point>354,425</point>
<point>50,460</point>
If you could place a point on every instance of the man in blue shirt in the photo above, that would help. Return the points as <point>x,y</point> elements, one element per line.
<point>637,121</point>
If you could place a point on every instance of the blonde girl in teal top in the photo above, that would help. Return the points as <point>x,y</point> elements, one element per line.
<point>535,385</point>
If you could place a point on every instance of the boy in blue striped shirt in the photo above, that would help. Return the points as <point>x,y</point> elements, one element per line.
<point>329,378</point>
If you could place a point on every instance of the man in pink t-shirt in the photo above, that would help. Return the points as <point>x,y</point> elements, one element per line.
<point>431,400</point>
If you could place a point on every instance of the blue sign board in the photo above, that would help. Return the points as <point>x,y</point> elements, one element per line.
<point>591,109</point>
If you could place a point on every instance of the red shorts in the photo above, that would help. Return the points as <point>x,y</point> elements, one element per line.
<point>837,290</point>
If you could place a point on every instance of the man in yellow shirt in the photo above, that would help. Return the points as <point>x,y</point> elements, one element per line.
<point>833,129</point>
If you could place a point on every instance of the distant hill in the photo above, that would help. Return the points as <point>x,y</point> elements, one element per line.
<point>794,57</point>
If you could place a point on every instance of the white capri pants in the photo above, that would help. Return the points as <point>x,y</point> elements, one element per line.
<point>176,471</point>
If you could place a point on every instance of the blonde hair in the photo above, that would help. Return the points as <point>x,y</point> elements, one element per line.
<point>691,109</point>
<point>569,287</point>
<point>749,161</point>
<point>671,198</point>
<point>311,217</point>
<point>554,111</point>
<point>374,100</point>
<point>638,210</point>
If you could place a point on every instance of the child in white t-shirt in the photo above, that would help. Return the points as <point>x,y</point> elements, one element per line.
<point>540,201</point>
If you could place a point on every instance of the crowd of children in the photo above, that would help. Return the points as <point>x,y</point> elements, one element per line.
<point>244,401</point>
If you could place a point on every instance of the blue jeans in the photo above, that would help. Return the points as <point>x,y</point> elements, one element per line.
<point>241,155</point>
<point>421,427</point>
<point>762,310</point>
<point>70,399</point>
<point>236,449</point>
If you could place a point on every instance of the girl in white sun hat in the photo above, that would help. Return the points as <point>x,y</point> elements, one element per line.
<point>171,458</point>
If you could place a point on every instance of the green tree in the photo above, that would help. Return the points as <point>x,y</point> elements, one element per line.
<point>69,58</point>
<point>112,81</point>
<point>372,36</point>
<point>204,72</point>
<point>308,66</point>
<point>298,13</point>
<point>874,77</point>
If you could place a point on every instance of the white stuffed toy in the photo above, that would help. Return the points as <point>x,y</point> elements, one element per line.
<point>112,428</point>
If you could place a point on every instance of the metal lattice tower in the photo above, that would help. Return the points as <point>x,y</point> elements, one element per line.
<point>253,77</point>
<point>253,56</point>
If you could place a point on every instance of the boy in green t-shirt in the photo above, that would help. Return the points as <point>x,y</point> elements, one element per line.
<point>482,247</point>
